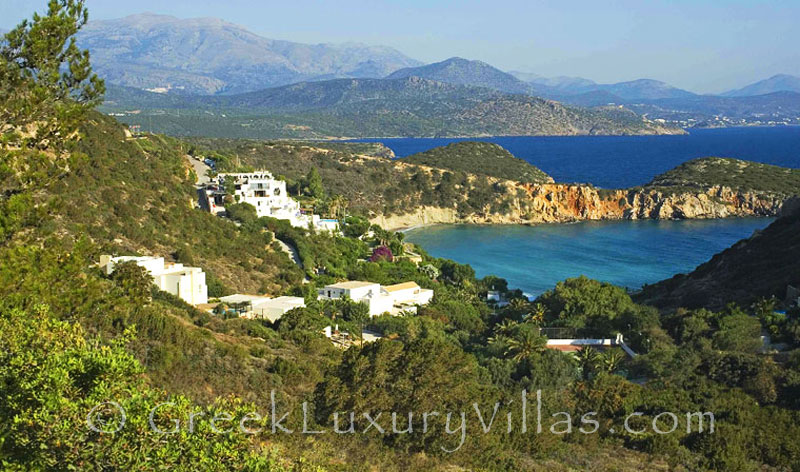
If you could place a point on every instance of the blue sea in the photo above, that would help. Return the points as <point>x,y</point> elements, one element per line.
<point>626,253</point>
<point>627,161</point>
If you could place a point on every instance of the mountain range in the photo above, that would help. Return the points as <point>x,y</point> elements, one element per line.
<point>776,83</point>
<point>209,55</point>
<point>410,106</point>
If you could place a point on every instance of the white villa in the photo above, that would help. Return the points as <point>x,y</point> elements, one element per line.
<point>259,307</point>
<point>572,345</point>
<point>389,299</point>
<point>409,294</point>
<point>188,283</point>
<point>267,195</point>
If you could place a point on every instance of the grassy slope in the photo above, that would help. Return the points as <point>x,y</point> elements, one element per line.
<point>372,185</point>
<point>480,158</point>
<point>138,196</point>
<point>737,174</point>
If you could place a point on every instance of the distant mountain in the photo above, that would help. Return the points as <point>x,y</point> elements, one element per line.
<point>564,88</point>
<point>526,76</point>
<point>208,56</point>
<point>777,107</point>
<point>410,106</point>
<point>594,98</point>
<point>563,83</point>
<point>465,72</point>
<point>647,89</point>
<point>776,83</point>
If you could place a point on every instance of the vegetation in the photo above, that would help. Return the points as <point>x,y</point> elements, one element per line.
<point>371,185</point>
<point>734,173</point>
<point>729,276</point>
<point>480,158</point>
<point>72,337</point>
<point>367,108</point>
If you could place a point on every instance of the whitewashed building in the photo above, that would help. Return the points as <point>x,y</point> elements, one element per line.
<point>188,283</point>
<point>260,307</point>
<point>266,194</point>
<point>409,293</point>
<point>573,345</point>
<point>391,299</point>
<point>378,300</point>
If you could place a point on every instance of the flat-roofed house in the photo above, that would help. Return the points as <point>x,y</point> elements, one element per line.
<point>188,283</point>
<point>377,299</point>
<point>274,308</point>
<point>409,293</point>
<point>261,307</point>
<point>573,345</point>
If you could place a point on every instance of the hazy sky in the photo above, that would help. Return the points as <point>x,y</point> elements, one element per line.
<point>700,45</point>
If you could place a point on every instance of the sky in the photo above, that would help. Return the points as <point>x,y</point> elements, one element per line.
<point>706,46</point>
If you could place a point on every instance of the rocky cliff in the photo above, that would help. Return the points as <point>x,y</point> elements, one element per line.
<point>710,187</point>
<point>562,203</point>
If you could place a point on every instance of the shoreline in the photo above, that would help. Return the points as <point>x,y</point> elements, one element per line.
<point>406,229</point>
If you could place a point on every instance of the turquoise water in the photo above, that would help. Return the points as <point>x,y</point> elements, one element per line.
<point>625,253</point>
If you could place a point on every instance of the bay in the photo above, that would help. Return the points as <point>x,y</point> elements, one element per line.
<point>625,253</point>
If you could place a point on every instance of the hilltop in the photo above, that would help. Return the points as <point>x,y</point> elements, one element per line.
<point>461,71</point>
<point>372,107</point>
<point>480,158</point>
<point>776,83</point>
<point>708,172</point>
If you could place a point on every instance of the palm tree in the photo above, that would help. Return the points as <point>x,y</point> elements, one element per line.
<point>524,345</point>
<point>328,307</point>
<point>518,306</point>
<point>505,327</point>
<point>537,315</point>
<point>612,360</point>
<point>334,204</point>
<point>382,236</point>
<point>588,359</point>
<point>343,204</point>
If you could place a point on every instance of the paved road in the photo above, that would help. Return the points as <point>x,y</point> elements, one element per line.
<point>201,169</point>
<point>290,251</point>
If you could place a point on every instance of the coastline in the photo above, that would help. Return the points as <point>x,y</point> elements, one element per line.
<point>406,229</point>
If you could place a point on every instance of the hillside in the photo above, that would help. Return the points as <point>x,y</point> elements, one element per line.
<point>371,107</point>
<point>709,110</point>
<point>209,55</point>
<point>776,83</point>
<point>105,372</point>
<point>480,158</point>
<point>564,88</point>
<point>135,195</point>
<point>758,267</point>
<point>709,172</point>
<point>439,187</point>
<point>465,72</point>
<point>641,89</point>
